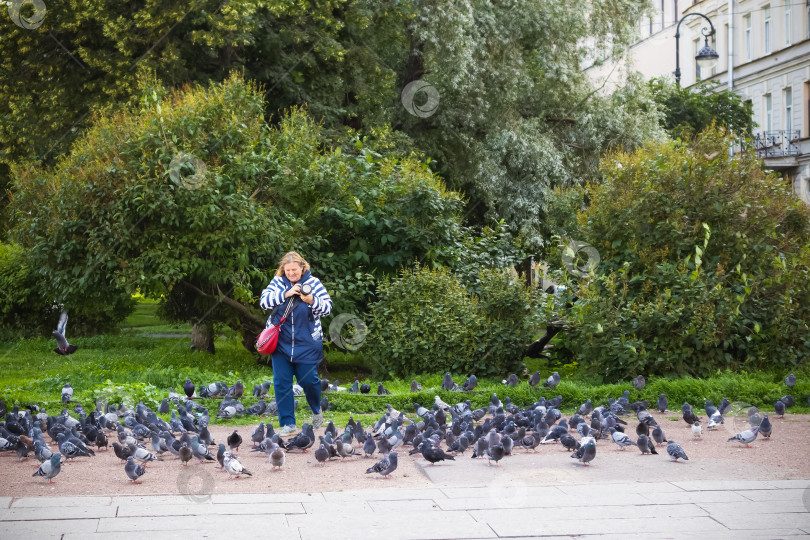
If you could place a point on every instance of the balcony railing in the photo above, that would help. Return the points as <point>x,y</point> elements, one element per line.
<point>773,144</point>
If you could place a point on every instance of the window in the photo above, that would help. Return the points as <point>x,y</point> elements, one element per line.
<point>767,112</point>
<point>788,110</point>
<point>766,30</point>
<point>806,108</point>
<point>748,45</point>
<point>787,22</point>
<point>663,11</point>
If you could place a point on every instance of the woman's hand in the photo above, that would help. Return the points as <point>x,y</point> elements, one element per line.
<point>295,289</point>
<point>308,298</point>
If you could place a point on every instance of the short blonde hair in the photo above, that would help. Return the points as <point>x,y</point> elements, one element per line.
<point>291,257</point>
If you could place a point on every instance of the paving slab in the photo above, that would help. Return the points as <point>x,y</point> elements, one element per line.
<point>140,535</point>
<point>760,507</point>
<point>358,507</point>
<point>5,502</point>
<point>694,497</point>
<point>384,494</point>
<point>37,529</point>
<point>702,485</point>
<point>749,521</point>
<point>221,509</point>
<point>576,526</point>
<point>267,497</point>
<point>419,505</point>
<point>501,489</point>
<point>55,513</point>
<point>41,502</point>
<point>214,524</point>
<point>433,525</point>
<point>593,512</point>
<point>772,494</point>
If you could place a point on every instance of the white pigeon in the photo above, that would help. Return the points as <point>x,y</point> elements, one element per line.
<point>441,404</point>
<point>697,431</point>
<point>715,420</point>
<point>233,466</point>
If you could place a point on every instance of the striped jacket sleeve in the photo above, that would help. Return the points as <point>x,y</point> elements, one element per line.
<point>273,295</point>
<point>322,302</point>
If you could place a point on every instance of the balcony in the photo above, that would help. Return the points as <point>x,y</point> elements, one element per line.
<point>777,144</point>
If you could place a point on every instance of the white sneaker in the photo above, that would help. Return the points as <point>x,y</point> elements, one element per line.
<point>288,430</point>
<point>317,420</point>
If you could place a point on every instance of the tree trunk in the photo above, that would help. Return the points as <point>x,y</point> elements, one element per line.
<point>202,337</point>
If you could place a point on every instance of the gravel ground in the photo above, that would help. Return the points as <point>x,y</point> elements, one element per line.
<point>710,457</point>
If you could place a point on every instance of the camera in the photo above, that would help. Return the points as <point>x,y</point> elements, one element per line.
<point>306,289</point>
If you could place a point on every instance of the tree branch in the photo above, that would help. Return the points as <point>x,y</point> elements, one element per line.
<point>228,301</point>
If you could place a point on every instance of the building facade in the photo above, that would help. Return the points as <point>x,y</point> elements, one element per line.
<point>764,48</point>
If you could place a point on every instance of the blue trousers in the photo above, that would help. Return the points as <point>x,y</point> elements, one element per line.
<point>307,376</point>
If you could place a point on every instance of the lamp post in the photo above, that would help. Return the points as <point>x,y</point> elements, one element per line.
<point>706,57</point>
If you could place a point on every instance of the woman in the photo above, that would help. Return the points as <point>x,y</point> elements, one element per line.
<point>300,339</point>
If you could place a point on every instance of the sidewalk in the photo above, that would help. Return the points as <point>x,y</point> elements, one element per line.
<point>689,509</point>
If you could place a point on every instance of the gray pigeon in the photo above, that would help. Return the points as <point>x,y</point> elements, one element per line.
<point>746,437</point>
<point>552,381</point>
<point>448,383</point>
<point>188,388</point>
<point>369,447</point>
<point>164,408</point>
<point>258,434</point>
<point>133,470</point>
<point>185,454</point>
<point>234,440</point>
<point>62,346</point>
<point>645,445</point>
<point>511,380</point>
<point>658,435</point>
<point>662,402</point>
<point>639,383</point>
<point>322,454</point>
<point>586,452</point>
<point>622,440</point>
<point>790,380</point>
<point>385,466</point>
<point>787,400</point>
<point>67,393</point>
<point>381,390</point>
<point>277,457</point>
<point>49,469</point>
<point>415,387</point>
<point>365,388</point>
<point>676,452</point>
<point>470,384</point>
<point>534,380</point>
<point>779,408</point>
<point>495,453</point>
<point>237,390</point>
<point>765,427</point>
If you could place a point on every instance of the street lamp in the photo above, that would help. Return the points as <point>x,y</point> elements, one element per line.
<point>706,57</point>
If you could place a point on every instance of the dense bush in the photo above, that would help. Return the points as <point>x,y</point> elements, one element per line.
<point>426,321</point>
<point>704,265</point>
<point>29,307</point>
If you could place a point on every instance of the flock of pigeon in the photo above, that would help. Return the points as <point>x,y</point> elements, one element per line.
<point>490,432</point>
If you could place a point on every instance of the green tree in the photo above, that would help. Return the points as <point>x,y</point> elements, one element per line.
<point>703,264</point>
<point>516,117</point>
<point>688,111</point>
<point>191,198</point>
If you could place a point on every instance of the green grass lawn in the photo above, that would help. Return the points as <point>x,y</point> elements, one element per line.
<point>132,367</point>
